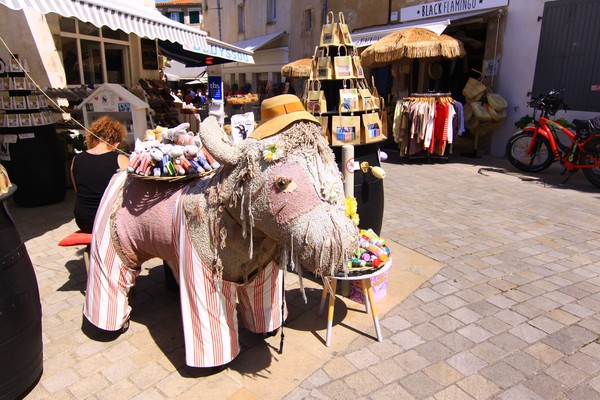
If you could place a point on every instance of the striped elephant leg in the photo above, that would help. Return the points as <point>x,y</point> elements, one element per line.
<point>208,306</point>
<point>109,279</point>
<point>261,300</point>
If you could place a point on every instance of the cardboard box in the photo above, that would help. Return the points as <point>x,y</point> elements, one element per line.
<point>379,286</point>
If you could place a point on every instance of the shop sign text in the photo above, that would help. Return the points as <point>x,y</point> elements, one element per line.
<point>447,7</point>
<point>221,52</point>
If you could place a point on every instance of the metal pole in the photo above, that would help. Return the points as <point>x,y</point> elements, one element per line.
<point>219,16</point>
<point>348,173</point>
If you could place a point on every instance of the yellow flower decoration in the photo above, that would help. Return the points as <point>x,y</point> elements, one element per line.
<point>351,207</point>
<point>271,153</point>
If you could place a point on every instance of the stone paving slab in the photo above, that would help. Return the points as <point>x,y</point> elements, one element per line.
<point>513,313</point>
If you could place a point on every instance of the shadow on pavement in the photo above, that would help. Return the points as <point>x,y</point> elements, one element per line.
<point>555,176</point>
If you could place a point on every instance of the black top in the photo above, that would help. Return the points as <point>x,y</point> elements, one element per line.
<point>92,173</point>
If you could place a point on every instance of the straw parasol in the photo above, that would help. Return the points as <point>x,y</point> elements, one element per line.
<point>411,43</point>
<point>297,69</point>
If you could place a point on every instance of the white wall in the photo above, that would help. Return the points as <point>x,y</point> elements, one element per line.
<point>520,41</point>
<point>24,32</point>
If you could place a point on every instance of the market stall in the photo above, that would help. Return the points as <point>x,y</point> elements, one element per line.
<point>415,52</point>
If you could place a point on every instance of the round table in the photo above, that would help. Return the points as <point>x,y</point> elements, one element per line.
<point>365,279</point>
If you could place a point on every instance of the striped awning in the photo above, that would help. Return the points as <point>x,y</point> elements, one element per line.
<point>118,14</point>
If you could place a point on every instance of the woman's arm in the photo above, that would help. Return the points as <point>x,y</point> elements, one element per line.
<point>72,177</point>
<point>123,161</point>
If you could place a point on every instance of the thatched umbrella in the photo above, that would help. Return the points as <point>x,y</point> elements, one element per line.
<point>411,43</point>
<point>297,69</point>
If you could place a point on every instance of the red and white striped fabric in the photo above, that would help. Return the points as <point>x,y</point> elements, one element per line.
<point>109,279</point>
<point>208,306</point>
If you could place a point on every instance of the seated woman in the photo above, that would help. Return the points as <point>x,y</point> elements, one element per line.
<point>91,170</point>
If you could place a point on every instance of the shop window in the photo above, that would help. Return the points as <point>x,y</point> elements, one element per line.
<point>71,61</point>
<point>194,17</point>
<point>271,10</point>
<point>110,34</point>
<point>91,60</point>
<point>568,53</point>
<point>115,63</point>
<point>67,25</point>
<point>85,28</point>
<point>241,19</point>
<point>93,56</point>
<point>308,20</point>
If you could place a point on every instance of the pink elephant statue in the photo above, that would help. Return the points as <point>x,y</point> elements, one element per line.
<point>276,200</point>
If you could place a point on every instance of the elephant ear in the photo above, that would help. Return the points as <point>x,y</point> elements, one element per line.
<point>217,143</point>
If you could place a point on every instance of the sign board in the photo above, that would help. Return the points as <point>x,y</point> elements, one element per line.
<point>215,87</point>
<point>447,7</point>
<point>221,52</point>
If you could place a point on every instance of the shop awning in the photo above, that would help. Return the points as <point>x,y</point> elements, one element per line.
<point>118,14</point>
<point>224,51</point>
<point>366,37</point>
<point>259,42</point>
<point>215,52</point>
<point>181,72</point>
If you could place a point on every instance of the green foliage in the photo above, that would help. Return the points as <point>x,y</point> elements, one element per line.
<point>524,121</point>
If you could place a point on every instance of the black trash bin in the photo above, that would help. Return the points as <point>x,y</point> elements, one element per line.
<point>36,165</point>
<point>368,190</point>
<point>20,312</point>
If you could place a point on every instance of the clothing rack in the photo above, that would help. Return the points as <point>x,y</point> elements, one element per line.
<point>428,156</point>
<point>433,94</point>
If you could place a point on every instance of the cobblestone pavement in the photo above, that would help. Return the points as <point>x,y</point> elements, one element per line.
<point>515,311</point>
<point>494,293</point>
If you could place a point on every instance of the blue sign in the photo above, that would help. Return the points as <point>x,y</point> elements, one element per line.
<point>221,52</point>
<point>215,87</point>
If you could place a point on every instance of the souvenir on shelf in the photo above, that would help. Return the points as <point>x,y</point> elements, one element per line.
<point>22,105</point>
<point>171,154</point>
<point>337,92</point>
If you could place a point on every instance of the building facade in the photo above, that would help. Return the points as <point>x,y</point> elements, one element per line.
<point>67,51</point>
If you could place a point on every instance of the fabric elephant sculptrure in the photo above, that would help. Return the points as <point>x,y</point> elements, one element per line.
<point>275,201</point>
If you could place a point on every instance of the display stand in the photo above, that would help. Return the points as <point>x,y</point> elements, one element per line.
<point>118,103</point>
<point>29,147</point>
<point>350,111</point>
<point>370,308</point>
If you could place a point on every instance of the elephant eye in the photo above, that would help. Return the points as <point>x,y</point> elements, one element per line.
<point>282,183</point>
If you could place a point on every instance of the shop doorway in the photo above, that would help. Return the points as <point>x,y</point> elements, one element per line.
<point>450,76</point>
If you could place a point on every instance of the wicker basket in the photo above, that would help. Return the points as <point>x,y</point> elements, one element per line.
<point>177,178</point>
<point>473,90</point>
<point>495,114</point>
<point>468,111</point>
<point>496,101</point>
<point>480,111</point>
